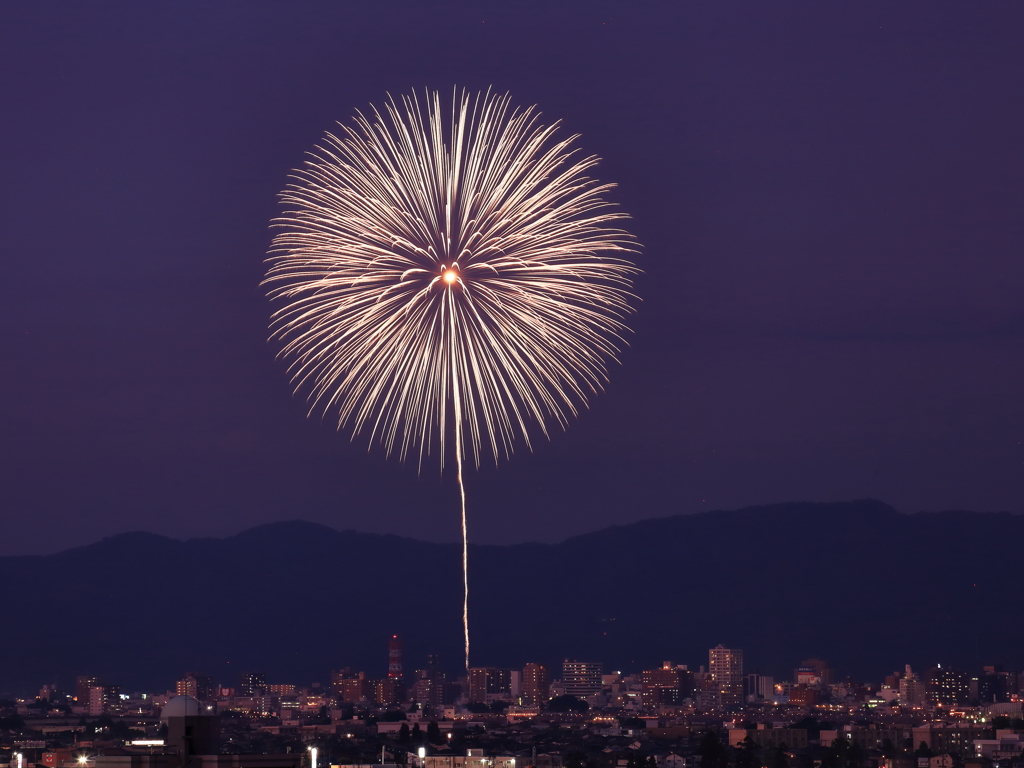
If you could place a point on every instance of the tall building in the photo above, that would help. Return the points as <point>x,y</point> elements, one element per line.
<point>666,686</point>
<point>581,678</point>
<point>196,685</point>
<point>759,686</point>
<point>912,690</point>
<point>253,684</point>
<point>422,687</point>
<point>349,687</point>
<point>102,698</point>
<point>395,658</point>
<point>390,690</point>
<point>48,693</point>
<point>82,685</point>
<point>725,668</point>
<point>488,684</point>
<point>945,685</point>
<point>996,685</point>
<point>431,686</point>
<point>818,668</point>
<point>535,685</point>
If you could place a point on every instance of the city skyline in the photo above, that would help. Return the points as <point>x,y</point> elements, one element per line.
<point>721,683</point>
<point>668,717</point>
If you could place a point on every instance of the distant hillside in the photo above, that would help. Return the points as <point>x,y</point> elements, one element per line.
<point>858,584</point>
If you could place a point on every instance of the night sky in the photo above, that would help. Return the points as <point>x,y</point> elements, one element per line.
<point>830,198</point>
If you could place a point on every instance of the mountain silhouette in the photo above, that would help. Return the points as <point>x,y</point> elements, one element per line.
<point>855,583</point>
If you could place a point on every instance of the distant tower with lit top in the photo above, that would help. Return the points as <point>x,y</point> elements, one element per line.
<point>395,658</point>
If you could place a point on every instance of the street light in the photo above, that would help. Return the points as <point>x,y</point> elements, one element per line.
<point>312,756</point>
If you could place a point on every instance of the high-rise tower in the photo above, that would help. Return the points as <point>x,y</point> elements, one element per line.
<point>726,668</point>
<point>535,684</point>
<point>395,658</point>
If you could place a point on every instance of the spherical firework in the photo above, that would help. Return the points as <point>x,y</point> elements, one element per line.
<point>449,279</point>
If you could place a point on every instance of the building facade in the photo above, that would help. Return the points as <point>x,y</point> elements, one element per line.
<point>581,678</point>
<point>536,684</point>
<point>725,668</point>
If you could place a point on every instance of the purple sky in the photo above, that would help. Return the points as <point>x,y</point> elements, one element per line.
<point>830,196</point>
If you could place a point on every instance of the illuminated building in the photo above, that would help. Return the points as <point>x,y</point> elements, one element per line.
<point>668,685</point>
<point>581,678</point>
<point>395,658</point>
<point>82,685</point>
<point>475,758</point>
<point>725,668</point>
<point>350,687</point>
<point>945,685</point>
<point>253,684</point>
<point>97,700</point>
<point>283,689</point>
<point>195,685</point>
<point>955,738</point>
<point>390,690</point>
<point>432,687</point>
<point>912,690</point>
<point>487,684</point>
<point>803,695</point>
<point>535,686</point>
<point>995,685</point>
<point>813,672</point>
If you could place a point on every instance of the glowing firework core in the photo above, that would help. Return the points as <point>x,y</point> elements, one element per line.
<point>386,216</point>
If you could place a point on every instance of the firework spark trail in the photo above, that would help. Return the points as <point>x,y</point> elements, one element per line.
<point>449,280</point>
<point>465,557</point>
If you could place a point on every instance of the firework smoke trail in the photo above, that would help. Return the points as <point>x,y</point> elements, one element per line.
<point>449,279</point>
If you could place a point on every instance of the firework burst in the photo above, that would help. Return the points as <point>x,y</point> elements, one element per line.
<point>449,280</point>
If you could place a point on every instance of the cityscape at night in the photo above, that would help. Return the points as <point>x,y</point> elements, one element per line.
<point>511,384</point>
<point>579,714</point>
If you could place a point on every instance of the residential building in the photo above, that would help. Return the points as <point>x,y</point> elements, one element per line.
<point>488,684</point>
<point>82,685</point>
<point>581,678</point>
<point>252,684</point>
<point>945,685</point>
<point>196,685</point>
<point>725,668</point>
<point>535,685</point>
<point>668,685</point>
<point>955,738</point>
